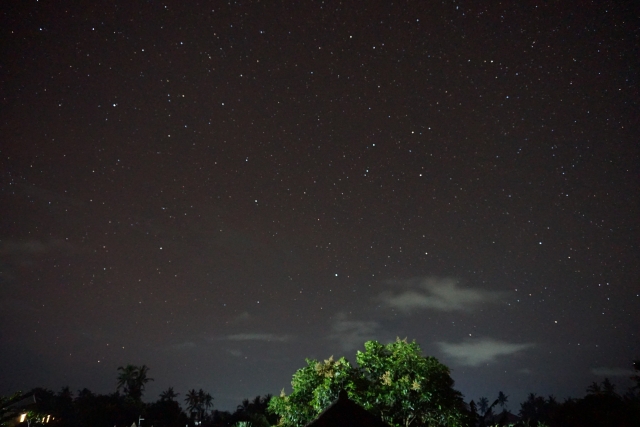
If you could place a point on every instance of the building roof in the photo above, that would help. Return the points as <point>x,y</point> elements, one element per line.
<point>346,413</point>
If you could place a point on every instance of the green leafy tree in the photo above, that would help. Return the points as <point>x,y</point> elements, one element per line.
<point>314,388</point>
<point>403,386</point>
<point>392,381</point>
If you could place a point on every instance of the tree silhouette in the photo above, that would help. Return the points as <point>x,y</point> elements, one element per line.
<point>244,407</point>
<point>536,409</point>
<point>198,403</point>
<point>636,377</point>
<point>608,387</point>
<point>132,380</point>
<point>207,401</point>
<point>126,377</point>
<point>193,401</point>
<point>483,405</point>
<point>502,399</point>
<point>169,394</point>
<point>594,388</point>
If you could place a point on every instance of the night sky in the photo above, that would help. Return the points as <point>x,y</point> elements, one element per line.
<point>221,189</point>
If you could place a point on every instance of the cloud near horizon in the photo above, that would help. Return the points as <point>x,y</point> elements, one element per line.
<point>612,372</point>
<point>443,294</point>
<point>481,351</point>
<point>258,337</point>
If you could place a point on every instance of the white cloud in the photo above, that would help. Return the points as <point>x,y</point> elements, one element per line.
<point>612,372</point>
<point>258,337</point>
<point>444,294</point>
<point>352,334</point>
<point>481,351</point>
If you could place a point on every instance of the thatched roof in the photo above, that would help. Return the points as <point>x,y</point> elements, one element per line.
<point>346,413</point>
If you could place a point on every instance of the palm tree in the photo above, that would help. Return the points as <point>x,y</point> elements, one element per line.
<point>208,402</point>
<point>201,397</point>
<point>193,401</point>
<point>473,407</point>
<point>483,405</point>
<point>244,407</point>
<point>142,379</point>
<point>168,395</point>
<point>132,380</point>
<point>127,378</point>
<point>502,399</point>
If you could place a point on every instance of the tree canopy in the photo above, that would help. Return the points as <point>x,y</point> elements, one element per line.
<point>394,381</point>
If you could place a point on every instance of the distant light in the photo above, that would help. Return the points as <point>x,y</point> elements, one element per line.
<point>22,417</point>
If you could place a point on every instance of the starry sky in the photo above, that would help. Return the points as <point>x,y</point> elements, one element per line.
<point>221,189</point>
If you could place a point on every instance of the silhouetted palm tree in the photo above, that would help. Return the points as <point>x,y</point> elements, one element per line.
<point>132,379</point>
<point>473,407</point>
<point>193,401</point>
<point>126,377</point>
<point>244,407</point>
<point>207,402</point>
<point>502,399</point>
<point>168,394</point>
<point>483,405</point>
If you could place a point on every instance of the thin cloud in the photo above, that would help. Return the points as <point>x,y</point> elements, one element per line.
<point>235,353</point>
<point>187,345</point>
<point>12,247</point>
<point>443,294</point>
<point>482,351</point>
<point>242,317</point>
<point>612,372</point>
<point>31,247</point>
<point>258,337</point>
<point>352,334</point>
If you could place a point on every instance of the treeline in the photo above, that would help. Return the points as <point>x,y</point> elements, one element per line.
<point>601,407</point>
<point>393,381</point>
<point>85,408</point>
